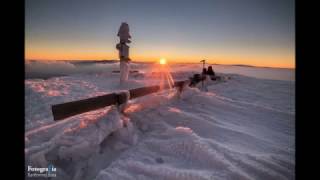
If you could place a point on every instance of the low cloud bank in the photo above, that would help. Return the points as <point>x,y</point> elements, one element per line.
<point>46,69</point>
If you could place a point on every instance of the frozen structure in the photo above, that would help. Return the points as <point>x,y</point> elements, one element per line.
<point>123,48</point>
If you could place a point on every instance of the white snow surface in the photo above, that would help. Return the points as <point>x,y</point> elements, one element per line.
<point>241,128</point>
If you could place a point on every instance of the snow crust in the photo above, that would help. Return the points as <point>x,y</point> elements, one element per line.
<point>241,128</point>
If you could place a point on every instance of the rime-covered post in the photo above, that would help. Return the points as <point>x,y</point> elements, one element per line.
<point>123,49</point>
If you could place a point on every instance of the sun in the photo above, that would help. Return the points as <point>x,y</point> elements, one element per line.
<point>163,61</point>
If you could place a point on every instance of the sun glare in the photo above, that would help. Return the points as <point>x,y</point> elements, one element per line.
<point>163,61</point>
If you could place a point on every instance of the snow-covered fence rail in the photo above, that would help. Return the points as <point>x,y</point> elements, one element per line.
<point>64,110</point>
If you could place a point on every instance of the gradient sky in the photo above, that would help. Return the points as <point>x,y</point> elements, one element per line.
<point>252,32</point>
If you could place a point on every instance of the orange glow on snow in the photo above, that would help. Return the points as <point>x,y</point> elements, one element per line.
<point>133,108</point>
<point>83,124</point>
<point>53,93</point>
<point>173,109</point>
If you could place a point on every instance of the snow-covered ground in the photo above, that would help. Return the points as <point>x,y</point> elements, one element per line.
<point>242,128</point>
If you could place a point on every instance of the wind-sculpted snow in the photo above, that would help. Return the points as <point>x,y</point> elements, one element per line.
<point>242,128</point>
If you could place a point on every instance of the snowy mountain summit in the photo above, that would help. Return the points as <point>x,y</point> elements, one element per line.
<point>243,128</point>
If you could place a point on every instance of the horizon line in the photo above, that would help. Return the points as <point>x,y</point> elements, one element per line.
<point>153,61</point>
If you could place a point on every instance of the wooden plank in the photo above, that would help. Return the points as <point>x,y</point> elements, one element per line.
<point>134,93</point>
<point>65,110</point>
<point>138,92</point>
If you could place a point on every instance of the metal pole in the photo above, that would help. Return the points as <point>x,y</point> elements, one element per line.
<point>203,66</point>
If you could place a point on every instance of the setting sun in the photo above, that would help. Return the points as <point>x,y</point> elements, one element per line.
<point>163,61</point>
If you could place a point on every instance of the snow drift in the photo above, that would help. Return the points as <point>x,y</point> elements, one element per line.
<point>243,128</point>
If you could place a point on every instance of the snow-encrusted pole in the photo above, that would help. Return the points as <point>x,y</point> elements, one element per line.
<point>123,48</point>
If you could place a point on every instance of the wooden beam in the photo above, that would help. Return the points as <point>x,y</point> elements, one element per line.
<point>65,110</point>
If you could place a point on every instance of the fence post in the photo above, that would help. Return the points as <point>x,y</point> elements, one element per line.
<point>122,100</point>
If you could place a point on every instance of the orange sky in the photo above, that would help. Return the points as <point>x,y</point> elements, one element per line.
<point>272,60</point>
<point>267,55</point>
